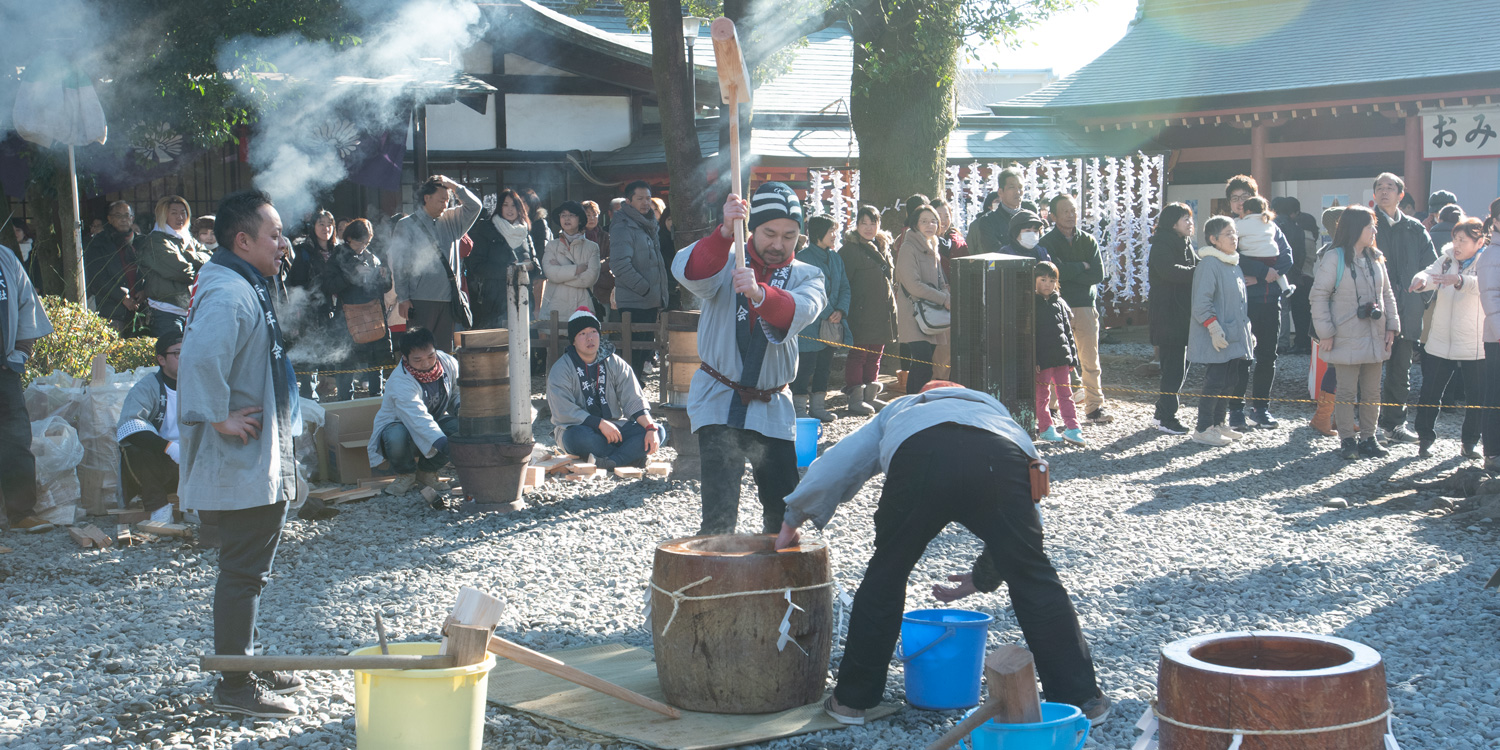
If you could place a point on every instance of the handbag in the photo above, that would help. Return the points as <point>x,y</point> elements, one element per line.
<point>932,318</point>
<point>366,322</point>
<point>831,331</point>
<point>458,303</point>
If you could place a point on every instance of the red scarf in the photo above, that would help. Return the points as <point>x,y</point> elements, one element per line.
<point>429,377</point>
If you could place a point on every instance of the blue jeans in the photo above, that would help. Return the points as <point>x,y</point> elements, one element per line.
<point>582,440</point>
<point>401,450</point>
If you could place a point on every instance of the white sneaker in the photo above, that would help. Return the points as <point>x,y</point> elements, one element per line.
<point>1209,436</point>
<point>162,514</point>
<point>1223,429</point>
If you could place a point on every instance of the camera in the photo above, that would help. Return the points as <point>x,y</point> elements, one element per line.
<point>1368,310</point>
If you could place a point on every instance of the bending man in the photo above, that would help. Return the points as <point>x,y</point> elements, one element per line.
<point>951,455</point>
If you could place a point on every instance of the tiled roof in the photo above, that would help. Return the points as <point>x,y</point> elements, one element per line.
<point>823,141</point>
<point>1195,50</point>
<point>819,75</point>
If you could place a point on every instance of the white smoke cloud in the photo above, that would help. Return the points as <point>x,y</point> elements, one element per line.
<point>312,89</point>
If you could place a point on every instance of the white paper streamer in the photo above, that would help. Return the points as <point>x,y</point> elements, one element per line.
<point>840,207</point>
<point>814,192</point>
<point>786,627</point>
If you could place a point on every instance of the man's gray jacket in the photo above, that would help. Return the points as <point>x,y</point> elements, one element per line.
<point>420,244</point>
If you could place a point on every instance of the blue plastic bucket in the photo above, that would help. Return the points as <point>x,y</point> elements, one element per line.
<point>1063,727</point>
<point>943,651</point>
<point>809,432</point>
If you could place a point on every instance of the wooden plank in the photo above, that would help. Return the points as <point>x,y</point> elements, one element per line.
<point>165,529</point>
<point>344,494</point>
<point>535,476</point>
<point>376,481</point>
<point>101,539</point>
<point>99,373</point>
<point>5,550</point>
<point>483,338</point>
<point>583,468</point>
<point>128,515</point>
<point>658,469</point>
<point>629,472</point>
<point>84,540</point>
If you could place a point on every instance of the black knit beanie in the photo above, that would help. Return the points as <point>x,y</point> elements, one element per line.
<point>774,200</point>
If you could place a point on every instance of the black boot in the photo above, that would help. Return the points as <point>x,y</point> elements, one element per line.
<point>1348,449</point>
<point>1371,449</point>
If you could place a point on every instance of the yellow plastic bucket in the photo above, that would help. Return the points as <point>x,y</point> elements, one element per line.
<point>431,709</point>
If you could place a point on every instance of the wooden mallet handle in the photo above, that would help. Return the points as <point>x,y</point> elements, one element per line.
<point>544,663</point>
<point>734,88</point>
<point>1011,673</point>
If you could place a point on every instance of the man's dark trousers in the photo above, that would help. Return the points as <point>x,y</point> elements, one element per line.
<point>248,546</point>
<point>17,464</point>
<point>1265,324</point>
<point>145,459</point>
<point>1395,387</point>
<point>724,451</point>
<point>957,474</point>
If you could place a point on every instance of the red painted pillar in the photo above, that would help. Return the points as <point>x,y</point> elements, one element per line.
<point>1415,168</point>
<point>1260,165</point>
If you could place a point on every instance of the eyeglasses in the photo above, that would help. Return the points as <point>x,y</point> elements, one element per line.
<point>177,353</point>
<point>1239,198</point>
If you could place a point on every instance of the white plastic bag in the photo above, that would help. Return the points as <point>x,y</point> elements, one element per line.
<point>58,451</point>
<point>55,395</point>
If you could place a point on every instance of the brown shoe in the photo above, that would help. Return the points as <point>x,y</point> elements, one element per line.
<point>843,714</point>
<point>1322,420</point>
<point>32,525</point>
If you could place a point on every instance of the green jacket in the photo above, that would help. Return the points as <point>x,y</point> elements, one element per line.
<point>1079,284</point>
<point>170,266</point>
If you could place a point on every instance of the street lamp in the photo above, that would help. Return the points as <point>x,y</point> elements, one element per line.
<point>690,26</point>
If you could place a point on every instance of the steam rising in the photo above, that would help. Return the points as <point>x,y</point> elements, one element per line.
<point>312,88</point>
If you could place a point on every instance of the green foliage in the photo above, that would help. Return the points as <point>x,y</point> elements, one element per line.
<point>166,53</point>
<point>78,334</point>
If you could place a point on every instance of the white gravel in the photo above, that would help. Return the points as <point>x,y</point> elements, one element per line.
<point>1157,539</point>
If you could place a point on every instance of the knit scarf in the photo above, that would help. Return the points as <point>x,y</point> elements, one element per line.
<point>429,377</point>
<point>515,234</point>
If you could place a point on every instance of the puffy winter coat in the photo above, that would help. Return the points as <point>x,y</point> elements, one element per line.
<point>567,288</point>
<point>1054,333</point>
<point>1355,340</point>
<point>1457,315</point>
<point>171,264</point>
<point>1171,264</point>
<point>1219,293</point>
<point>635,260</point>
<point>1489,291</point>
<point>917,277</point>
<point>872,301</point>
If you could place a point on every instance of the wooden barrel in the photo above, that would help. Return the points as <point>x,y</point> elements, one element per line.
<point>484,398</point>
<point>1270,681</point>
<point>682,356</point>
<point>483,363</point>
<point>719,655</point>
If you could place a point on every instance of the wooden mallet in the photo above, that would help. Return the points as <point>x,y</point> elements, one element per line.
<point>467,645</point>
<point>1011,674</point>
<point>734,87</point>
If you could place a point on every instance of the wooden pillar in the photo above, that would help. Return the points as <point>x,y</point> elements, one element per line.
<point>1260,164</point>
<point>1415,169</point>
<point>419,141</point>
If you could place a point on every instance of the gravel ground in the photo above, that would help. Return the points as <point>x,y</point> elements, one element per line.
<point>1157,539</point>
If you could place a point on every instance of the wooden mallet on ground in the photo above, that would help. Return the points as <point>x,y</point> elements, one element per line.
<point>1011,674</point>
<point>734,87</point>
<point>474,603</point>
<point>467,645</point>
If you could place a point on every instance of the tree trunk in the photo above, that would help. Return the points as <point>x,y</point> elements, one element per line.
<point>690,200</point>
<point>42,199</point>
<point>903,115</point>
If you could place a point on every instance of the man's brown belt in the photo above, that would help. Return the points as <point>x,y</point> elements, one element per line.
<point>747,394</point>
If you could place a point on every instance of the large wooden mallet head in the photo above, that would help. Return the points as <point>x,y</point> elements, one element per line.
<point>734,77</point>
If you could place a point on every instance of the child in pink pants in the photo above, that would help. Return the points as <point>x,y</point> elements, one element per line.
<point>1056,356</point>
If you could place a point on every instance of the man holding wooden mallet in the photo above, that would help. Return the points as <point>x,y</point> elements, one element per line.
<point>738,402</point>
<point>239,411</point>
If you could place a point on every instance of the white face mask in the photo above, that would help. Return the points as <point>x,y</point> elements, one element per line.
<point>1028,239</point>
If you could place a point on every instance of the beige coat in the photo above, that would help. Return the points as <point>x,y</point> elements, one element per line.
<point>1355,341</point>
<point>567,290</point>
<point>917,276</point>
<point>1457,330</point>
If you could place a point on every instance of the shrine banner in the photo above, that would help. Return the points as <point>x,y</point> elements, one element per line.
<point>1461,134</point>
